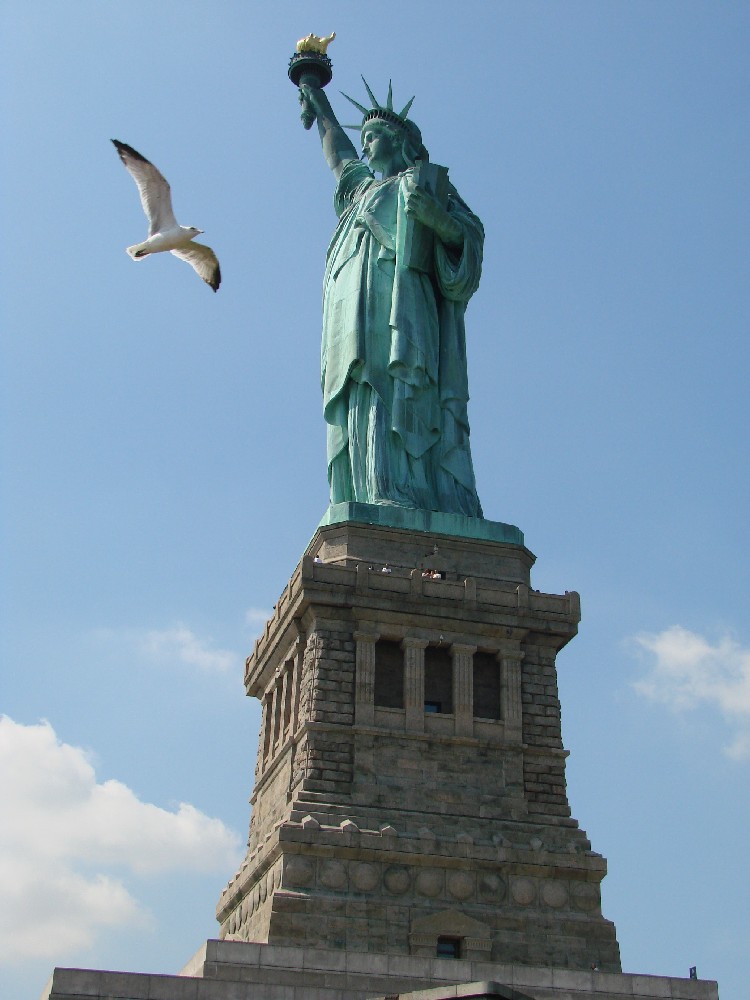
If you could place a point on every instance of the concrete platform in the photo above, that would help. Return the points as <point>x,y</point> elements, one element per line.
<point>230,970</point>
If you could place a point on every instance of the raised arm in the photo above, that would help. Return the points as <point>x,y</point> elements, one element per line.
<point>338,148</point>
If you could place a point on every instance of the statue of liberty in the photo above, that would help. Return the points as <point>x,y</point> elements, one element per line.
<point>404,260</point>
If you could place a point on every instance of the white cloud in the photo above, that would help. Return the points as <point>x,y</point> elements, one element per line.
<point>687,671</point>
<point>177,644</point>
<point>182,644</point>
<point>68,844</point>
<point>257,617</point>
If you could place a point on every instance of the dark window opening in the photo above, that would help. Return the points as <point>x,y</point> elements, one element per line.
<point>268,723</point>
<point>433,706</point>
<point>276,715</point>
<point>389,674</point>
<point>438,680</point>
<point>448,947</point>
<point>486,686</point>
<point>288,696</point>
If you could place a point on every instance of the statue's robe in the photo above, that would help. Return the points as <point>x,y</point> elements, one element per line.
<point>393,358</point>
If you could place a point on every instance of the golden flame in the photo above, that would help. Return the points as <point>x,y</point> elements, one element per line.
<point>313,43</point>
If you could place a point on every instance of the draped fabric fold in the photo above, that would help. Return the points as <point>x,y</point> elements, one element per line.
<point>393,356</point>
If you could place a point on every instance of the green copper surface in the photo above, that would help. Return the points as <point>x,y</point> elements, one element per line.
<point>393,358</point>
<point>429,521</point>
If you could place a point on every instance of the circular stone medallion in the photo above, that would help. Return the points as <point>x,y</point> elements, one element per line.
<point>333,875</point>
<point>522,890</point>
<point>429,883</point>
<point>460,885</point>
<point>492,887</point>
<point>298,871</point>
<point>365,877</point>
<point>586,897</point>
<point>554,894</point>
<point>396,880</point>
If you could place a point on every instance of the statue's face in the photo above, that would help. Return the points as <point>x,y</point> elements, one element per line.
<point>380,145</point>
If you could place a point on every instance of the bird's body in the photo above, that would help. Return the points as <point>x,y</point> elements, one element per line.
<point>165,233</point>
<point>169,239</point>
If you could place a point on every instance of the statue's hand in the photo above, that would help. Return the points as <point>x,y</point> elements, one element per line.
<point>425,208</point>
<point>337,146</point>
<point>314,98</point>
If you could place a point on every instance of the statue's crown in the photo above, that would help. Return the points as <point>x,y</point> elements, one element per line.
<point>382,112</point>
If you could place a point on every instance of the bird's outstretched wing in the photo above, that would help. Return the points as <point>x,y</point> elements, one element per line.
<point>204,262</point>
<point>154,190</point>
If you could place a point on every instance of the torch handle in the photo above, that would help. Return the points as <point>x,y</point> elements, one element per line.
<point>307,117</point>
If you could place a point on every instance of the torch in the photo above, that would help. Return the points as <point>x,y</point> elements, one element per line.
<point>311,65</point>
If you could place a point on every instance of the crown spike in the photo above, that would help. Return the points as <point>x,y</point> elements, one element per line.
<point>355,103</point>
<point>405,112</point>
<point>373,98</point>
<point>389,101</point>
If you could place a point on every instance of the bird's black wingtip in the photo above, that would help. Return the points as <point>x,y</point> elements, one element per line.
<point>123,148</point>
<point>215,280</point>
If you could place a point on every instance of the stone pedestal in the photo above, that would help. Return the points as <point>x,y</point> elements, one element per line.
<point>410,827</point>
<point>410,790</point>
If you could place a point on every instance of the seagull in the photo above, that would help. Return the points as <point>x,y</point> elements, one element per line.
<point>164,232</point>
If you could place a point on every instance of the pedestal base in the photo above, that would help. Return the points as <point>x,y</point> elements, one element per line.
<point>224,970</point>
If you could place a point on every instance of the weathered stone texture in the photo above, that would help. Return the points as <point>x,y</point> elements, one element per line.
<point>224,970</point>
<point>378,826</point>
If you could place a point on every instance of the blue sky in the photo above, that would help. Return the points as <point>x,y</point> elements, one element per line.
<point>163,448</point>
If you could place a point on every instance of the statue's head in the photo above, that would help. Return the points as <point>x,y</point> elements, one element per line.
<point>402,131</point>
<point>386,144</point>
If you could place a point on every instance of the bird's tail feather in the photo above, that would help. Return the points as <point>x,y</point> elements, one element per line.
<point>137,251</point>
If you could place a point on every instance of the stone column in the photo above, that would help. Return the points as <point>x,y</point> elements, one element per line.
<point>414,683</point>
<point>510,692</point>
<point>364,685</point>
<point>463,688</point>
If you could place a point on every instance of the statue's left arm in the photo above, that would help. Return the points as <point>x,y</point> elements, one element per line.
<point>458,269</point>
<point>423,207</point>
<point>459,240</point>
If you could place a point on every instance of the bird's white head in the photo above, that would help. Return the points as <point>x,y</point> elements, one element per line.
<point>194,232</point>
